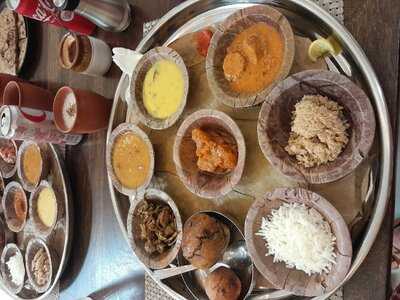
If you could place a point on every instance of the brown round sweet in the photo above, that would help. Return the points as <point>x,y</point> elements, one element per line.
<point>204,240</point>
<point>223,284</point>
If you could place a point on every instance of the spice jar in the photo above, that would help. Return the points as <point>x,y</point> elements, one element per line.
<point>84,54</point>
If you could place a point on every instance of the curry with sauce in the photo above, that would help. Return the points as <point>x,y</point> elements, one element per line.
<point>254,58</point>
<point>131,160</point>
<point>216,150</point>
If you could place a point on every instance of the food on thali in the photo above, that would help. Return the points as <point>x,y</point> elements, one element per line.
<point>37,262</point>
<point>323,47</point>
<point>131,160</point>
<point>163,89</point>
<point>223,284</point>
<point>204,240</point>
<point>8,153</point>
<point>40,267</point>
<point>158,228</point>
<point>319,131</point>
<point>203,39</point>
<point>216,150</point>
<point>32,162</point>
<point>19,204</point>
<point>238,62</point>
<point>254,58</point>
<point>47,207</point>
<point>16,267</point>
<point>300,237</point>
<point>12,41</point>
<point>15,206</point>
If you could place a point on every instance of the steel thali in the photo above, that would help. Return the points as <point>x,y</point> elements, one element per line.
<point>308,19</point>
<point>61,236</point>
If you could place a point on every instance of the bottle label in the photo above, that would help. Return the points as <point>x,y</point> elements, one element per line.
<point>46,11</point>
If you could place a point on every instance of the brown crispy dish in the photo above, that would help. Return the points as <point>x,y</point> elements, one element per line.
<point>216,150</point>
<point>157,227</point>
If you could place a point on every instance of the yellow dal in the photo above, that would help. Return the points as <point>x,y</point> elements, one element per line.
<point>31,164</point>
<point>130,160</point>
<point>47,207</point>
<point>163,89</point>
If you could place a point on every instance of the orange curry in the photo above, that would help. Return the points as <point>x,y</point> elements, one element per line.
<point>215,151</point>
<point>254,58</point>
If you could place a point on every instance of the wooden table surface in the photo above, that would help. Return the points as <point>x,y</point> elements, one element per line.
<point>101,260</point>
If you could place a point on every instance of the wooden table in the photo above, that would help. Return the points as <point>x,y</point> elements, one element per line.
<point>101,260</point>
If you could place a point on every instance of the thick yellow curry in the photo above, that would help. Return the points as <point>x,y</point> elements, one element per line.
<point>131,160</point>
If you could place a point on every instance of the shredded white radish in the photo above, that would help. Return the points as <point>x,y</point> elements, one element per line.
<point>299,237</point>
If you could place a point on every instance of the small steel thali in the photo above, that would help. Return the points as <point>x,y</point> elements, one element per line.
<point>308,20</point>
<point>59,239</point>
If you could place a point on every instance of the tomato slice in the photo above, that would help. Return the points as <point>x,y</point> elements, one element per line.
<point>203,41</point>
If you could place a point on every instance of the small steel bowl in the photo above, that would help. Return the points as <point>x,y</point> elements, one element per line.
<point>37,222</point>
<point>7,169</point>
<point>136,86</point>
<point>13,223</point>
<point>8,251</point>
<point>121,129</point>
<point>34,245</point>
<point>30,186</point>
<point>195,280</point>
<point>154,261</point>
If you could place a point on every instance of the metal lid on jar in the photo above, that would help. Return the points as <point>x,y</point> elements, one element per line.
<point>12,4</point>
<point>66,4</point>
<point>5,120</point>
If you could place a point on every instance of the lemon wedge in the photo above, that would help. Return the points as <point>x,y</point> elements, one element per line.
<point>324,47</point>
